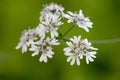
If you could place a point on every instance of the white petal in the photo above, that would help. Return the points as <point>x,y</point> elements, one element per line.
<point>89,24</point>
<point>87,61</point>
<point>91,59</point>
<point>68,53</point>
<point>35,53</point>
<point>55,33</point>
<point>51,52</point>
<point>80,13</point>
<point>41,58</point>
<point>69,44</point>
<point>67,16</point>
<point>93,48</point>
<point>49,55</point>
<point>68,49</point>
<point>86,29</point>
<point>69,12</point>
<point>24,48</point>
<point>81,56</point>
<point>69,58</point>
<point>54,42</point>
<point>72,39</point>
<point>93,56</point>
<point>19,45</point>
<point>79,37</point>
<point>69,21</point>
<point>52,35</point>
<point>78,61</point>
<point>33,48</point>
<point>45,58</point>
<point>92,53</point>
<point>72,62</point>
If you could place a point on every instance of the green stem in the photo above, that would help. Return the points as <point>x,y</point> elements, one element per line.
<point>65,39</point>
<point>107,41</point>
<point>68,31</point>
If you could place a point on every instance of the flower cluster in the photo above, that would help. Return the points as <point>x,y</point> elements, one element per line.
<point>79,20</point>
<point>41,39</point>
<point>38,40</point>
<point>77,48</point>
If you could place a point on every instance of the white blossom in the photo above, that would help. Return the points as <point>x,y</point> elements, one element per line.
<point>51,19</point>
<point>45,55</point>
<point>50,24</point>
<point>45,47</point>
<point>23,43</point>
<point>90,56</point>
<point>73,57</point>
<point>77,48</point>
<point>53,9</point>
<point>26,39</point>
<point>41,30</point>
<point>79,19</point>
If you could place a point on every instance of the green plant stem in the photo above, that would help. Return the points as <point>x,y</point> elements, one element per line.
<point>63,36</point>
<point>68,30</point>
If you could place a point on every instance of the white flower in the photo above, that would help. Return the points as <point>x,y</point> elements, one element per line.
<point>41,30</point>
<point>50,19</point>
<point>45,55</point>
<point>50,24</point>
<point>73,57</point>
<point>45,47</point>
<point>52,41</point>
<point>77,48</point>
<point>26,39</point>
<point>52,8</point>
<point>79,19</point>
<point>23,43</point>
<point>90,56</point>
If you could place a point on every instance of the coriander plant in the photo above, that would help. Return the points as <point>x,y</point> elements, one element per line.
<point>42,38</point>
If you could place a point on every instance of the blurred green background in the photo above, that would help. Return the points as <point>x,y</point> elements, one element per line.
<point>17,15</point>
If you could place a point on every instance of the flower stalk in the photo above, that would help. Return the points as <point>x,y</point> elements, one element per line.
<point>68,30</point>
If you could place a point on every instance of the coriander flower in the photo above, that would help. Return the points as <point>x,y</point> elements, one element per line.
<point>77,48</point>
<point>23,43</point>
<point>79,19</point>
<point>90,56</point>
<point>51,19</point>
<point>41,30</point>
<point>26,39</point>
<point>73,57</point>
<point>53,9</point>
<point>50,24</point>
<point>90,51</point>
<point>44,47</point>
